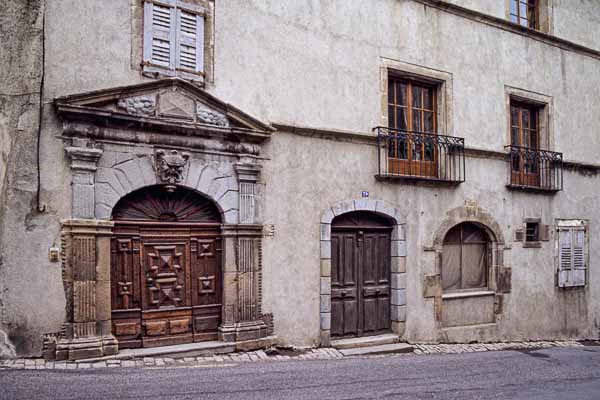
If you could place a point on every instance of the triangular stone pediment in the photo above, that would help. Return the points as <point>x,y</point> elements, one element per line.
<point>169,102</point>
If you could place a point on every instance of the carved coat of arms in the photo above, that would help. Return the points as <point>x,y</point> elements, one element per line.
<point>170,167</point>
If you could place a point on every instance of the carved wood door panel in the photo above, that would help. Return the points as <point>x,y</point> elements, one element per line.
<point>360,278</point>
<point>166,286</point>
<point>166,307</point>
<point>206,285</point>
<point>126,290</point>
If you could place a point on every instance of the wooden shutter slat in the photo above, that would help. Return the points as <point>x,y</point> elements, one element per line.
<point>190,41</point>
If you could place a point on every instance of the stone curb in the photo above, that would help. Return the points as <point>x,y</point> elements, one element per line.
<point>262,356</point>
<point>163,362</point>
<point>481,347</point>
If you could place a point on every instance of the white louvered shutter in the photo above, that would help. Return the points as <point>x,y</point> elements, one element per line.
<point>571,257</point>
<point>579,267</point>
<point>565,256</point>
<point>159,34</point>
<point>190,41</point>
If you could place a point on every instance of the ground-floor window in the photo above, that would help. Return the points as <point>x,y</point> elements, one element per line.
<point>464,258</point>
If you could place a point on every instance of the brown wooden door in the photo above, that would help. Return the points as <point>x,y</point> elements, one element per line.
<point>360,280</point>
<point>165,270</point>
<point>166,285</point>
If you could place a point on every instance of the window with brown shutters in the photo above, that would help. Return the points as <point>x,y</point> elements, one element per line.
<point>572,253</point>
<point>173,38</point>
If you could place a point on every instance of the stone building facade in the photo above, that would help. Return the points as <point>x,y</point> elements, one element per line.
<point>261,171</point>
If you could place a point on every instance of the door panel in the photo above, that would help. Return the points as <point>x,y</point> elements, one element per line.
<point>166,285</point>
<point>163,328</point>
<point>165,267</point>
<point>344,300</point>
<point>360,286</point>
<point>125,291</point>
<point>206,287</point>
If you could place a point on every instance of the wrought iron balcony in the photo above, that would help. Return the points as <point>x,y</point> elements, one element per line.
<point>535,169</point>
<point>420,156</point>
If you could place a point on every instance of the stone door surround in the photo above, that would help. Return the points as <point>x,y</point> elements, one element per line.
<point>98,184</point>
<point>398,262</point>
<point>171,133</point>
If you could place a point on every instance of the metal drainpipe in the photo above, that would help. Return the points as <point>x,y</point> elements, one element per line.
<point>40,207</point>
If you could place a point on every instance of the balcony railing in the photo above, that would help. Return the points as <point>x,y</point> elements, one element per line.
<point>420,156</point>
<point>534,169</point>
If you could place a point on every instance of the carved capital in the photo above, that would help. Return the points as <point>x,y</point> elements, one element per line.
<point>171,166</point>
<point>83,159</point>
<point>247,172</point>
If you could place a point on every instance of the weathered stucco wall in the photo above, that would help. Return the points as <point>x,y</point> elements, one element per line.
<point>313,63</point>
<point>535,309</point>
<point>30,287</point>
<point>334,82</point>
<point>573,20</point>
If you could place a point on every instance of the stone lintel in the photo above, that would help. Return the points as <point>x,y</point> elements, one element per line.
<point>94,227</point>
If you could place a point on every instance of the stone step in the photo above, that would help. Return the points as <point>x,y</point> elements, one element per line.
<point>191,349</point>
<point>381,349</point>
<point>365,341</point>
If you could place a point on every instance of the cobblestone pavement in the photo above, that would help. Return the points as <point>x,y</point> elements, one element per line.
<point>270,356</point>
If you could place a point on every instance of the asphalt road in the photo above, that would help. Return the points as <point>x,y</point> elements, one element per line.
<point>558,373</point>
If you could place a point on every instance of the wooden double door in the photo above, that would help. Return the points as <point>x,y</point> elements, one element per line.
<point>166,283</point>
<point>360,276</point>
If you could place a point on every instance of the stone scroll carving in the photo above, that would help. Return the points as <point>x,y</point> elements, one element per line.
<point>142,105</point>
<point>170,167</point>
<point>211,117</point>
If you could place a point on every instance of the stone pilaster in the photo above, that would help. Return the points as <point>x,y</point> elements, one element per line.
<point>242,317</point>
<point>86,279</point>
<point>83,166</point>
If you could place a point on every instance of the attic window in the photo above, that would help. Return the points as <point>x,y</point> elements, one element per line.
<point>174,39</point>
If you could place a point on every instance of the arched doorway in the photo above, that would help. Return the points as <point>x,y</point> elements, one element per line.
<point>360,274</point>
<point>166,257</point>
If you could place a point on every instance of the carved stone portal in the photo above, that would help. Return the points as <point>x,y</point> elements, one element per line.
<point>170,167</point>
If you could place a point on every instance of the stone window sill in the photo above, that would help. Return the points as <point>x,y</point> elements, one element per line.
<point>533,245</point>
<point>463,294</point>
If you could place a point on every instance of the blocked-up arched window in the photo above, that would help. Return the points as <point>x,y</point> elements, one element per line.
<point>465,258</point>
